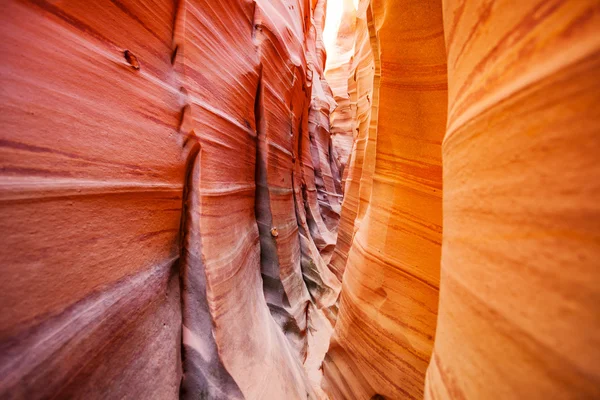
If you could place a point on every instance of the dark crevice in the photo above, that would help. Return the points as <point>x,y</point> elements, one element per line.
<point>329,216</point>
<point>303,221</point>
<point>274,291</point>
<point>204,375</point>
<point>174,54</point>
<point>255,25</point>
<point>178,30</point>
<point>335,171</point>
<point>187,186</point>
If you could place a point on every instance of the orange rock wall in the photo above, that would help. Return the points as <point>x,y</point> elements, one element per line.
<point>93,171</point>
<point>518,313</point>
<point>384,332</point>
<point>519,297</point>
<point>169,199</point>
<point>362,72</point>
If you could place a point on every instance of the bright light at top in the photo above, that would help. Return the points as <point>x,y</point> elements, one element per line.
<point>333,18</point>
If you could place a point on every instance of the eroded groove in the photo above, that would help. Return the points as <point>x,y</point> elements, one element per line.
<point>275,294</point>
<point>204,375</point>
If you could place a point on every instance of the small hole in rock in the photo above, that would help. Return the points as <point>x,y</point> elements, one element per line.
<point>131,59</point>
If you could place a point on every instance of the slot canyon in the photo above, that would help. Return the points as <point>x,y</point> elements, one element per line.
<point>300,199</point>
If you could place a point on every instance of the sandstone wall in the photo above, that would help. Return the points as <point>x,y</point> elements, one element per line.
<point>338,69</point>
<point>388,305</point>
<point>361,67</point>
<point>169,199</point>
<point>93,171</point>
<point>170,194</point>
<point>519,313</point>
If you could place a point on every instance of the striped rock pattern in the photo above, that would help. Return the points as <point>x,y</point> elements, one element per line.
<point>337,71</point>
<point>519,314</point>
<point>170,194</point>
<point>361,67</point>
<point>169,199</point>
<point>93,170</point>
<point>518,306</point>
<point>387,314</point>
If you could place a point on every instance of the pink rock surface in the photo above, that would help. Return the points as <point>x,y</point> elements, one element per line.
<point>167,184</point>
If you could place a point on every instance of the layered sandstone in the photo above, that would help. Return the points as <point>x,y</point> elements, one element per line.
<point>356,71</point>
<point>169,199</point>
<point>384,332</point>
<point>519,313</point>
<point>93,171</point>
<point>338,69</point>
<point>174,175</point>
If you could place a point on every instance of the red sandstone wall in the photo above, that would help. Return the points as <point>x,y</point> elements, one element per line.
<point>93,170</point>
<point>167,183</point>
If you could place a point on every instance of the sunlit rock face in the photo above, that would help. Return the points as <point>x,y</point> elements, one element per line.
<point>170,199</point>
<point>518,306</point>
<point>519,312</point>
<point>342,29</point>
<point>387,313</point>
<point>353,68</point>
